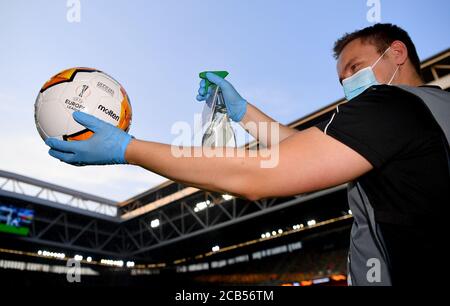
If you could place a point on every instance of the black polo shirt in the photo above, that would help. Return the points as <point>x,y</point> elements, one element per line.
<point>409,187</point>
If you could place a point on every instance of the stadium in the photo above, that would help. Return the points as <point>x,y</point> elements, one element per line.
<point>175,235</point>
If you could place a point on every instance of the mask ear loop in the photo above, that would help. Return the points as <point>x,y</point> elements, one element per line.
<point>374,64</point>
<point>395,72</point>
<point>390,81</point>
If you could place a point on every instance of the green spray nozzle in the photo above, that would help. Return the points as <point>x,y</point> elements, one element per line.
<point>222,74</point>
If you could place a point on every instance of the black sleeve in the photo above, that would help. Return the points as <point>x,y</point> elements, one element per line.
<point>380,124</point>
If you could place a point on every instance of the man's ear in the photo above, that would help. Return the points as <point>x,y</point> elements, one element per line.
<point>399,52</point>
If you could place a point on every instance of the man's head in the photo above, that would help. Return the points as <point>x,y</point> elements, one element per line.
<point>361,49</point>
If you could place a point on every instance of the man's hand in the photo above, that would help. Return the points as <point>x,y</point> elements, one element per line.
<point>236,105</point>
<point>106,146</point>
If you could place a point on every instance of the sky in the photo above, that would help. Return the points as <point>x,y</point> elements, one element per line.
<point>278,54</point>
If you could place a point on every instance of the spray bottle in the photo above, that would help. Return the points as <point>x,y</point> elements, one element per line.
<point>219,132</point>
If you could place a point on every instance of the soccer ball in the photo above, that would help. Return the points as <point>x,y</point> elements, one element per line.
<point>80,89</point>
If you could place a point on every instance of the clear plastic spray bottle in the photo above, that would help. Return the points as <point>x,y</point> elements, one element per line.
<point>219,132</point>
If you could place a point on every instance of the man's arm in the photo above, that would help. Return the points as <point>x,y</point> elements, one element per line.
<point>308,160</point>
<point>305,161</point>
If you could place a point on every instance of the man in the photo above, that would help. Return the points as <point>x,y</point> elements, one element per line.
<point>389,142</point>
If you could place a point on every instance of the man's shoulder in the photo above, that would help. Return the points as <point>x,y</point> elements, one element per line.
<point>384,94</point>
<point>386,101</point>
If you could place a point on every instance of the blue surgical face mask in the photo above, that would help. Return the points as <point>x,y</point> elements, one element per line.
<point>363,79</point>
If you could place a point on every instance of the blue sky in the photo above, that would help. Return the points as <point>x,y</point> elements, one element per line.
<point>278,54</point>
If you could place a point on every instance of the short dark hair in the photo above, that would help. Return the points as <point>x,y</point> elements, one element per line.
<point>381,35</point>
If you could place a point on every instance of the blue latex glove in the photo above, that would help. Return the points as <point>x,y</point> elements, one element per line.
<point>236,105</point>
<point>106,146</point>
